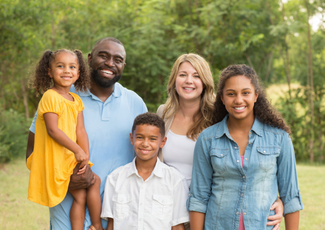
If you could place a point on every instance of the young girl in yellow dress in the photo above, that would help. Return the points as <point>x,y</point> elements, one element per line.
<point>61,141</point>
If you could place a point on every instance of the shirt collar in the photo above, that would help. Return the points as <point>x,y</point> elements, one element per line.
<point>157,171</point>
<point>116,92</point>
<point>223,128</point>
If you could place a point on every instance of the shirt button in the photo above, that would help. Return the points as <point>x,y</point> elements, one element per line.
<point>244,213</point>
<point>221,154</point>
<point>246,159</point>
<point>237,161</point>
<point>242,194</point>
<point>235,147</point>
<point>264,152</point>
<point>244,177</point>
<point>237,213</point>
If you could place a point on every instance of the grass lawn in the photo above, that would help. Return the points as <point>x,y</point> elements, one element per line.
<point>17,212</point>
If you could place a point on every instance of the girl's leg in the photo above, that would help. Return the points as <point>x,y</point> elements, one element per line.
<point>78,209</point>
<point>94,203</point>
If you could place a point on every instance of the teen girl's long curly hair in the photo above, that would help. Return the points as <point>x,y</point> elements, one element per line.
<point>204,116</point>
<point>263,110</point>
<point>42,80</point>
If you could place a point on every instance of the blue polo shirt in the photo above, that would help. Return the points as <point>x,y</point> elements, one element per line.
<point>108,125</point>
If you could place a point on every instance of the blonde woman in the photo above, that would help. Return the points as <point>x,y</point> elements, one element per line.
<point>187,112</point>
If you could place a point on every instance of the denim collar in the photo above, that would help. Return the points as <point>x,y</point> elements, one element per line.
<point>157,171</point>
<point>223,128</point>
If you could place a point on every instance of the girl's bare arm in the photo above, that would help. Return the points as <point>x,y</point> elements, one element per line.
<point>178,227</point>
<point>292,221</point>
<point>51,122</point>
<point>197,220</point>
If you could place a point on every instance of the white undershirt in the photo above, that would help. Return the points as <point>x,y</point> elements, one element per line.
<point>178,153</point>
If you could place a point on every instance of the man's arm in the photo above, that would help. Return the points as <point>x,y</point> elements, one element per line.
<point>30,144</point>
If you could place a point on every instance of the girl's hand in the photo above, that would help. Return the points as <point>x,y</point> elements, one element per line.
<point>81,156</point>
<point>82,167</point>
<point>277,218</point>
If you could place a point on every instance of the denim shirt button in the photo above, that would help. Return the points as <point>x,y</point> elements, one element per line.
<point>244,213</point>
<point>235,147</point>
<point>221,155</point>
<point>237,213</point>
<point>237,161</point>
<point>246,159</point>
<point>244,177</point>
<point>242,194</point>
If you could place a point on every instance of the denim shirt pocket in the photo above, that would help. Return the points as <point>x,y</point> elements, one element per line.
<point>122,203</point>
<point>219,159</point>
<point>267,156</point>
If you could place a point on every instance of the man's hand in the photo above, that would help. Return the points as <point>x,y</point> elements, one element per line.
<point>277,218</point>
<point>84,180</point>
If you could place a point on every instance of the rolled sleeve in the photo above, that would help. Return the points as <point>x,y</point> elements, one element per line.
<point>201,177</point>
<point>287,177</point>
<point>293,205</point>
<point>196,205</point>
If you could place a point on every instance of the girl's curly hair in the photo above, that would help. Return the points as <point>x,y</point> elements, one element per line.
<point>263,110</point>
<point>42,80</point>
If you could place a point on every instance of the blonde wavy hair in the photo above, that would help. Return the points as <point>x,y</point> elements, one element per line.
<point>204,116</point>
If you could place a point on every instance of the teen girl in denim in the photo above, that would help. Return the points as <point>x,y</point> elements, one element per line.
<point>244,161</point>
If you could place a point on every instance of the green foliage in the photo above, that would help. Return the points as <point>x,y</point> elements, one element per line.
<point>13,135</point>
<point>268,35</point>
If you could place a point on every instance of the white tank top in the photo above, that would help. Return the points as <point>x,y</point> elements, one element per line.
<point>178,153</point>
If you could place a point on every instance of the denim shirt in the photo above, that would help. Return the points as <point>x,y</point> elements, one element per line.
<point>221,187</point>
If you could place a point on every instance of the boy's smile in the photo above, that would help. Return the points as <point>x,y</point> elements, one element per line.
<point>147,140</point>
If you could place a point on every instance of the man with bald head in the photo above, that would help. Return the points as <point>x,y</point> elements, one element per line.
<point>109,113</point>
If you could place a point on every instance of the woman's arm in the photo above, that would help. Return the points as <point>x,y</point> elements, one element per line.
<point>197,220</point>
<point>292,221</point>
<point>51,122</point>
<point>30,144</point>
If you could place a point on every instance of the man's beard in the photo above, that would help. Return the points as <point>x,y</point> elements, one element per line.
<point>102,82</point>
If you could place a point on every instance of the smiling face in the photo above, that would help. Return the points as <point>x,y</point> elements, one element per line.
<point>188,84</point>
<point>107,62</point>
<point>239,97</point>
<point>146,140</point>
<point>64,70</point>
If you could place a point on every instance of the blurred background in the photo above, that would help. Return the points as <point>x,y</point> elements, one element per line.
<point>282,40</point>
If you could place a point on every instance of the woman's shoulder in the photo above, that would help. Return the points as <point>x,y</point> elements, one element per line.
<point>160,110</point>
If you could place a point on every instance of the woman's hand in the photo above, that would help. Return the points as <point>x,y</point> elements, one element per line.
<point>277,218</point>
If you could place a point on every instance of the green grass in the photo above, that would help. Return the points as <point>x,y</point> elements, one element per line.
<point>17,212</point>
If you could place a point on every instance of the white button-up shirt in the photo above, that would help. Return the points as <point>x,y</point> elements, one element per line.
<point>157,203</point>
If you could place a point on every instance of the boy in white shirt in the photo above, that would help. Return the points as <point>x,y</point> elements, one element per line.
<point>146,194</point>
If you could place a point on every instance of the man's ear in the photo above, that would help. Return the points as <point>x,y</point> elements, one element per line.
<point>131,138</point>
<point>89,58</point>
<point>163,142</point>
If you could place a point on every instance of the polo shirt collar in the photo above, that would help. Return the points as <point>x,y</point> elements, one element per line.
<point>116,92</point>
<point>157,171</point>
<point>223,128</point>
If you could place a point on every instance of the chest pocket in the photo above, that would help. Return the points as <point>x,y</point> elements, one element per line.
<point>162,207</point>
<point>267,157</point>
<point>219,159</point>
<point>122,203</point>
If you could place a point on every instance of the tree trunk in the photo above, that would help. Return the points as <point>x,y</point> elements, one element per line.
<point>311,87</point>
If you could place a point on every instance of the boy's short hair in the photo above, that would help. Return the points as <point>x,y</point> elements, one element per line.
<point>150,119</point>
